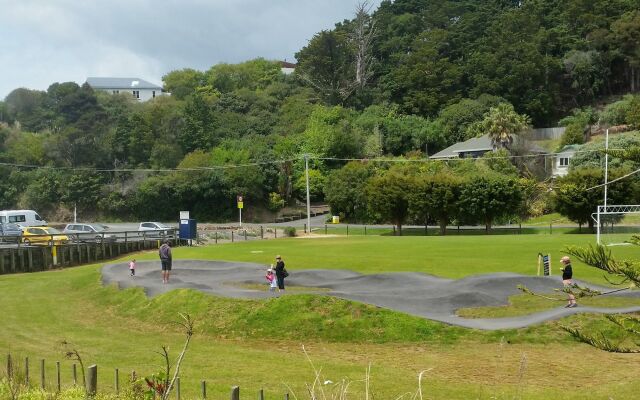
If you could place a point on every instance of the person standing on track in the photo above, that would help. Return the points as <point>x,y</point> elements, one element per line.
<point>567,280</point>
<point>165,260</point>
<point>281,273</point>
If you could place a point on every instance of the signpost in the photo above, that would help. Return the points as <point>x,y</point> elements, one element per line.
<point>545,260</point>
<point>240,206</point>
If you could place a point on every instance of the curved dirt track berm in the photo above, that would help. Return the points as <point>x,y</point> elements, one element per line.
<point>414,293</point>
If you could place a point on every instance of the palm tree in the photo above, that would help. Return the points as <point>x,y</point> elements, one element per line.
<point>501,122</point>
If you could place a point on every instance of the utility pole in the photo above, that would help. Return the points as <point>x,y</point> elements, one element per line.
<point>306,173</point>
<point>606,168</point>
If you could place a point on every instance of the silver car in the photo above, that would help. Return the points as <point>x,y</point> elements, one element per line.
<point>155,229</point>
<point>10,233</point>
<point>89,233</point>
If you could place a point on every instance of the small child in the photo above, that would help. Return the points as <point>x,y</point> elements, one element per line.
<point>132,267</point>
<point>271,279</point>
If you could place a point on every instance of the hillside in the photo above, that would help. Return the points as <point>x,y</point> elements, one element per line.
<point>429,75</point>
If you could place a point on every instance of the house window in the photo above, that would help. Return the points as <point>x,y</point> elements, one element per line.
<point>564,161</point>
<point>153,94</point>
<point>116,91</point>
<point>136,94</point>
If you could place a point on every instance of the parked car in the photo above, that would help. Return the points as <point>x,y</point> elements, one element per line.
<point>22,218</point>
<point>155,229</point>
<point>43,235</point>
<point>10,233</point>
<point>89,233</point>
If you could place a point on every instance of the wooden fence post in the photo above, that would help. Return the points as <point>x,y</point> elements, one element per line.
<point>261,232</point>
<point>42,381</point>
<point>92,380</point>
<point>235,393</point>
<point>231,235</point>
<point>260,394</point>
<point>245,234</point>
<point>286,396</point>
<point>26,370</point>
<point>58,385</point>
<point>117,381</point>
<point>133,376</point>
<point>178,388</point>
<point>204,389</point>
<point>74,371</point>
<point>9,366</point>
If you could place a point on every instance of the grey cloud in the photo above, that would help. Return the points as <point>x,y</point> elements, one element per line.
<point>60,40</point>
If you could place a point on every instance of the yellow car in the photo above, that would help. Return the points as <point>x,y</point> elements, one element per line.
<point>43,235</point>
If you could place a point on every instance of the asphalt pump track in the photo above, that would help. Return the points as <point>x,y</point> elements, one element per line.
<point>413,293</point>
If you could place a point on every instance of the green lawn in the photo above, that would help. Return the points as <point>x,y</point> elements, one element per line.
<point>448,256</point>
<point>258,343</point>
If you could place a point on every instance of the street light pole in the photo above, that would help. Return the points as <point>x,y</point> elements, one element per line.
<point>306,173</point>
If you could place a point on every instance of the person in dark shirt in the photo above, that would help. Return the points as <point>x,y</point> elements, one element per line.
<point>567,280</point>
<point>165,260</point>
<point>280,273</point>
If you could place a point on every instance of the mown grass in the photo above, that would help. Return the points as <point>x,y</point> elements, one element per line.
<point>258,343</point>
<point>448,256</point>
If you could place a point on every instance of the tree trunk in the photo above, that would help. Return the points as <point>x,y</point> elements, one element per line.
<point>487,226</point>
<point>443,227</point>
<point>399,229</point>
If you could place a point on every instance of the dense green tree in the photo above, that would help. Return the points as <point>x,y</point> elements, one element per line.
<point>436,197</point>
<point>488,198</point>
<point>252,74</point>
<point>330,133</point>
<point>575,199</point>
<point>388,195</point>
<point>181,83</point>
<point>345,191</point>
<point>324,64</point>
<point>426,79</point>
<point>317,183</point>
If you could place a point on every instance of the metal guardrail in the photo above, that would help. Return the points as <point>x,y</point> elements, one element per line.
<point>51,253</point>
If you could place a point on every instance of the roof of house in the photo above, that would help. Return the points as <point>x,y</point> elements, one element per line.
<point>285,64</point>
<point>482,143</point>
<point>570,148</point>
<point>121,83</point>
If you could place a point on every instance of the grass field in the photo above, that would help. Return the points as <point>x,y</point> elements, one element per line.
<point>258,343</point>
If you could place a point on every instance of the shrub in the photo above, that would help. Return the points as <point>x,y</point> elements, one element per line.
<point>574,134</point>
<point>276,202</point>
<point>290,231</point>
<point>616,113</point>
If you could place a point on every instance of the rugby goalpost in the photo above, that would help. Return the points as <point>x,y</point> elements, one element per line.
<point>605,213</point>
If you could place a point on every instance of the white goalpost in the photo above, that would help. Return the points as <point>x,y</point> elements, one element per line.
<point>607,217</point>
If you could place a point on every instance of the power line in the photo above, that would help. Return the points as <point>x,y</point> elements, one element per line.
<point>89,169</point>
<point>281,161</point>
<point>615,180</point>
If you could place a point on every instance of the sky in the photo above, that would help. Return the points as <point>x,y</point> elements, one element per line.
<point>47,41</point>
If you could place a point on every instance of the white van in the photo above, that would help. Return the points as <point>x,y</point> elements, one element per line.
<point>22,218</point>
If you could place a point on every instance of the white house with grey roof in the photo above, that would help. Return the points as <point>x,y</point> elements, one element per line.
<point>138,88</point>
<point>477,147</point>
<point>562,160</point>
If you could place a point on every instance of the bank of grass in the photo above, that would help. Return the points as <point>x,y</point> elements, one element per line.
<point>523,304</point>
<point>256,344</point>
